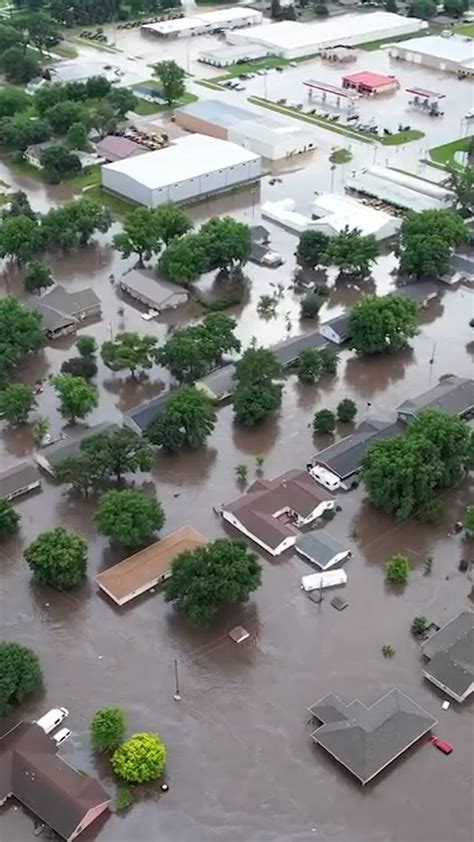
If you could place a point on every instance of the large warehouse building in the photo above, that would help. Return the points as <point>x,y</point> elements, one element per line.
<point>227,56</point>
<point>291,39</point>
<point>271,138</point>
<point>400,189</point>
<point>199,24</point>
<point>191,168</point>
<point>451,53</point>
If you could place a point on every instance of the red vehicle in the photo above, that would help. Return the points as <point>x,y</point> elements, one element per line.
<point>443,746</point>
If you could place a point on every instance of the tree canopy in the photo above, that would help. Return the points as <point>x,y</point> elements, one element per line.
<point>18,67</point>
<point>427,241</point>
<point>21,238</point>
<point>313,249</point>
<point>9,519</point>
<point>324,421</point>
<point>20,332</point>
<point>219,573</point>
<point>77,397</point>
<point>140,759</point>
<point>461,182</point>
<point>37,276</point>
<point>184,260</point>
<point>398,570</point>
<point>12,100</point>
<point>141,235</point>
<point>129,517</point>
<point>120,451</point>
<point>20,673</point>
<point>122,100</point>
<point>256,395</point>
<point>172,76</point>
<point>352,252</point>
<point>58,558</point>
<point>64,114</point>
<point>59,163</point>
<point>85,367</point>
<point>173,221</point>
<point>16,402</point>
<point>382,324</point>
<point>108,728</point>
<point>227,242</point>
<point>187,420</point>
<point>129,350</point>
<point>20,131</point>
<point>192,351</point>
<point>72,225</point>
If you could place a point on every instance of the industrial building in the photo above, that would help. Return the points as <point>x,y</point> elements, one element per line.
<point>189,169</point>
<point>271,138</point>
<point>200,24</point>
<point>400,189</point>
<point>450,53</point>
<point>291,39</point>
<point>227,56</point>
<point>336,212</point>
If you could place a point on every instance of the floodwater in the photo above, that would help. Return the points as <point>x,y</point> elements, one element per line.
<point>241,765</point>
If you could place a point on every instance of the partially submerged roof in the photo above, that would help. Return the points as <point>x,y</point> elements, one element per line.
<point>64,448</point>
<point>53,790</point>
<point>340,326</point>
<point>367,739</point>
<point>146,283</point>
<point>344,457</point>
<point>454,395</point>
<point>220,383</point>
<point>295,490</point>
<point>141,416</point>
<point>288,351</point>
<point>18,477</point>
<point>451,654</point>
<point>70,302</point>
<point>319,547</point>
<point>419,292</point>
<point>141,571</point>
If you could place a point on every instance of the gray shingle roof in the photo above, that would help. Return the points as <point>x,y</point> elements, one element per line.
<point>451,654</point>
<point>147,284</point>
<point>65,448</point>
<point>452,394</point>
<point>52,319</point>
<point>344,457</point>
<point>142,416</point>
<point>419,292</point>
<point>71,303</point>
<point>340,325</point>
<point>288,351</point>
<point>18,477</point>
<point>319,547</point>
<point>367,739</point>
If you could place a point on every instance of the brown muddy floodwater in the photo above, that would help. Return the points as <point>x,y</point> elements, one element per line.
<point>242,767</point>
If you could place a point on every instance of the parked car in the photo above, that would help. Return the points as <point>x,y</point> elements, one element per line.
<point>469,115</point>
<point>443,746</point>
<point>61,736</point>
<point>52,719</point>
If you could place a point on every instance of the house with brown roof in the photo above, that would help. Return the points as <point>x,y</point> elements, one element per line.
<point>272,511</point>
<point>63,798</point>
<point>149,567</point>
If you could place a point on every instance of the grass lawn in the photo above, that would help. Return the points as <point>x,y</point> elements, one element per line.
<point>206,84</point>
<point>144,108</point>
<point>118,206</point>
<point>87,178</point>
<point>399,138</point>
<point>268,63</point>
<point>443,155</point>
<point>370,46</point>
<point>465,29</point>
<point>65,50</point>
<point>340,156</point>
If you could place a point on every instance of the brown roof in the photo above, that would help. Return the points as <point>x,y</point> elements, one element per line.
<point>139,572</point>
<point>116,148</point>
<point>31,771</point>
<point>295,489</point>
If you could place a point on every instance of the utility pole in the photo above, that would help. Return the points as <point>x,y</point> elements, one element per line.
<point>177,695</point>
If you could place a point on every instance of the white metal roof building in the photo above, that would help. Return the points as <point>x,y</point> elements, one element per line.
<point>193,167</point>
<point>400,189</point>
<point>226,56</point>
<point>292,39</point>
<point>453,53</point>
<point>336,212</point>
<point>198,24</point>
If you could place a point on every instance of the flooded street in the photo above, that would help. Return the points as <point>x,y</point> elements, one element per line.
<point>241,764</point>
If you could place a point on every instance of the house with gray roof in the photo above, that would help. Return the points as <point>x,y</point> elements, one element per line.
<point>51,455</point>
<point>337,329</point>
<point>421,292</point>
<point>450,656</point>
<point>18,480</point>
<point>140,417</point>
<point>454,395</point>
<point>144,286</point>
<point>365,740</point>
<point>321,548</point>
<point>62,310</point>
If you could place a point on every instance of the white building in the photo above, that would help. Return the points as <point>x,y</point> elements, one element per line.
<point>291,39</point>
<point>191,168</point>
<point>450,53</point>
<point>199,24</point>
<point>227,56</point>
<point>400,189</point>
<point>336,212</point>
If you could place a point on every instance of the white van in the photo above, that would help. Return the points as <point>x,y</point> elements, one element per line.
<point>52,719</point>
<point>61,736</point>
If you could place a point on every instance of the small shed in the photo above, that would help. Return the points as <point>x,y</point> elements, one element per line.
<point>330,579</point>
<point>321,548</point>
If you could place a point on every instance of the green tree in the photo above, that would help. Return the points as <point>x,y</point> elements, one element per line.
<point>9,37</point>
<point>311,305</point>
<point>184,260</point>
<point>41,30</point>
<point>171,77</point>
<point>19,205</point>
<point>39,431</point>
<point>398,570</point>
<point>20,238</point>
<point>190,352</point>
<point>123,798</point>
<point>16,402</point>
<point>20,332</point>
<point>140,759</point>
<point>129,517</point>
<point>122,100</point>
<point>391,6</point>
<point>73,224</point>
<point>352,252</point>
<point>49,95</point>
<point>20,672</point>
<point>256,395</point>
<point>12,100</point>
<point>241,472</point>
<point>227,243</point>
<point>346,410</point>
<point>108,728</point>
<point>419,625</point>
<point>18,67</point>
<point>103,118</point>
<point>172,221</point>
<point>141,235</point>
<point>83,473</point>
<point>65,114</point>
<point>461,182</point>
<point>455,8</point>
<point>387,650</point>
<point>216,574</point>
<point>58,163</point>
<point>452,438</point>
<point>130,351</point>
<point>431,512</point>
<point>313,249</point>
<point>58,558</point>
<point>77,397</point>
<point>9,520</point>
<point>80,367</point>
<point>121,451</point>
<point>98,87</point>
<point>186,421</point>
<point>469,521</point>
<point>324,421</point>
<point>77,136</point>
<point>86,345</point>
<point>309,366</point>
<point>19,132</point>
<point>37,276</point>
<point>427,241</point>
<point>382,324</point>
<point>329,359</point>
<point>219,331</point>
<point>424,9</point>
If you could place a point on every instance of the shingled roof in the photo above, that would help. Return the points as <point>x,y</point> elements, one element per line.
<point>451,657</point>
<point>452,394</point>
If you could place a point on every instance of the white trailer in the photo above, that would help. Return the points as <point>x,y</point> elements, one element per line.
<point>328,579</point>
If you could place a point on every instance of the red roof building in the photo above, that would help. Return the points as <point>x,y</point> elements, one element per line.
<point>369,83</point>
